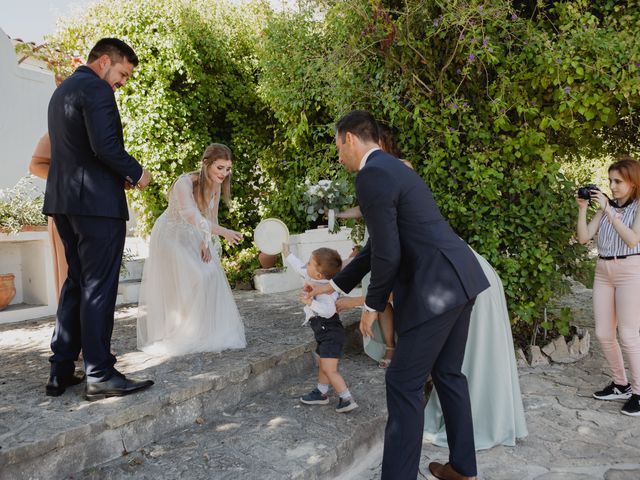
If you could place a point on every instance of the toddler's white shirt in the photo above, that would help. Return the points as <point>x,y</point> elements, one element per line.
<point>323,305</point>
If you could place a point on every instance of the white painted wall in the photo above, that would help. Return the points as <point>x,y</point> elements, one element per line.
<point>24,96</point>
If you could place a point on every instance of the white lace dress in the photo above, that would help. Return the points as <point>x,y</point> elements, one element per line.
<point>185,304</point>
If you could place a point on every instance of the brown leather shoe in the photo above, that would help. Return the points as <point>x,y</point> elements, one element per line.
<point>446,472</point>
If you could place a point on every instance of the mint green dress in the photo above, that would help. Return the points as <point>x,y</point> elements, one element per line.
<point>492,375</point>
<point>490,367</point>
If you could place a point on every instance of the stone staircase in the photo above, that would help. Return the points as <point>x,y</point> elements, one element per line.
<point>234,414</point>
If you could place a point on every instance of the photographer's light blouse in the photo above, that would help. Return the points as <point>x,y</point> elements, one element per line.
<point>610,244</point>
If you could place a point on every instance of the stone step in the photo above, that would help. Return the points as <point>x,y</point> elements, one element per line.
<point>269,436</point>
<point>45,437</point>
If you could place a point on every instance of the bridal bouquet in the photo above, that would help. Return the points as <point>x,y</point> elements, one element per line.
<point>325,195</point>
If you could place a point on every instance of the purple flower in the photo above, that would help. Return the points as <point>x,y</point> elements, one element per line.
<point>558,61</point>
<point>465,104</point>
<point>451,129</point>
<point>454,106</point>
<point>480,8</point>
<point>514,16</point>
<point>485,42</point>
<point>637,64</point>
<point>503,110</point>
<point>474,40</point>
<point>490,49</point>
<point>458,71</point>
<point>534,103</point>
<point>567,89</point>
<point>472,57</point>
<point>526,42</point>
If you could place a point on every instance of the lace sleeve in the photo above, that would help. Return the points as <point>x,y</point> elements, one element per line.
<point>182,195</point>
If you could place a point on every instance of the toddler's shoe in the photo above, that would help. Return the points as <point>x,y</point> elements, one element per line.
<point>614,392</point>
<point>345,406</point>
<point>632,406</point>
<point>315,397</point>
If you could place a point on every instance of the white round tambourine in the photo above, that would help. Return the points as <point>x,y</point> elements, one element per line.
<point>270,234</point>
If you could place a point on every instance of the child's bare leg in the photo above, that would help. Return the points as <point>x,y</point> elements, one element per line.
<point>323,378</point>
<point>329,371</point>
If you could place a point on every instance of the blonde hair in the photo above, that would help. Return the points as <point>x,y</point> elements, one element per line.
<point>215,151</point>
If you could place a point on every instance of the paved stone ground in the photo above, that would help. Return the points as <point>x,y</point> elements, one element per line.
<point>571,435</point>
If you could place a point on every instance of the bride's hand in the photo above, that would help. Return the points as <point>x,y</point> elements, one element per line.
<point>232,236</point>
<point>205,253</point>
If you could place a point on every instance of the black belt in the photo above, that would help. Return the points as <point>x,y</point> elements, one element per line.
<point>617,257</point>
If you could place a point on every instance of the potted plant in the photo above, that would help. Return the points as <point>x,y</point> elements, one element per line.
<point>7,289</point>
<point>21,207</point>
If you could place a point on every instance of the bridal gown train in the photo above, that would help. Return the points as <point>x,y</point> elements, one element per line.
<point>186,305</point>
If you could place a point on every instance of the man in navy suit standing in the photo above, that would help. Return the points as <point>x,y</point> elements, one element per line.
<point>435,279</point>
<point>89,172</point>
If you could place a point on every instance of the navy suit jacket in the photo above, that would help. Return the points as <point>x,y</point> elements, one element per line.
<point>89,164</point>
<point>412,250</point>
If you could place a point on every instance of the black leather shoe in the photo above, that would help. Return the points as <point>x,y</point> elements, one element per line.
<point>58,384</point>
<point>116,386</point>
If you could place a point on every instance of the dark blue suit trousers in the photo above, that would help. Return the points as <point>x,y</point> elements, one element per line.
<point>93,247</point>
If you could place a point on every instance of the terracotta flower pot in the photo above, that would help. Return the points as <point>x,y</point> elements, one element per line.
<point>266,260</point>
<point>7,289</point>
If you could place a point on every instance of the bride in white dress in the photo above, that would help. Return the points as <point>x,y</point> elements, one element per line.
<point>185,302</point>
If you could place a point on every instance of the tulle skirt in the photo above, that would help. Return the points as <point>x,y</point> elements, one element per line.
<point>185,304</point>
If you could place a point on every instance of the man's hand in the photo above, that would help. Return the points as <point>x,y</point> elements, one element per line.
<point>313,290</point>
<point>128,186</point>
<point>144,180</point>
<point>366,322</point>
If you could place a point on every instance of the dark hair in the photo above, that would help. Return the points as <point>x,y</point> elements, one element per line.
<point>629,169</point>
<point>115,48</point>
<point>360,123</point>
<point>387,141</point>
<point>328,260</point>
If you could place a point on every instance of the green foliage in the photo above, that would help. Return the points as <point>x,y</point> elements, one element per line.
<point>240,267</point>
<point>496,104</point>
<point>195,85</point>
<point>21,206</point>
<point>493,105</point>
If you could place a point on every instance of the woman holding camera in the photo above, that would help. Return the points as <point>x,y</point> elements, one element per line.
<point>616,286</point>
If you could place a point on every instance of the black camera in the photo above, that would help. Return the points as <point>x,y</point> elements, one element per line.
<point>585,192</point>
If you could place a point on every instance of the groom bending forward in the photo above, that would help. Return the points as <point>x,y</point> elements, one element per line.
<point>435,279</point>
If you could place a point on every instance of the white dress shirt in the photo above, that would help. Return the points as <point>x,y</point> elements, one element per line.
<point>323,305</point>
<point>362,164</point>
